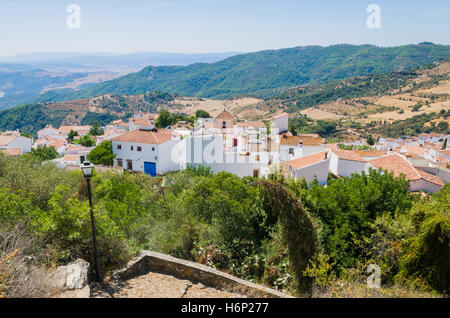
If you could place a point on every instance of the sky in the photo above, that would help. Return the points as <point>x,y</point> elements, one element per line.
<point>205,26</point>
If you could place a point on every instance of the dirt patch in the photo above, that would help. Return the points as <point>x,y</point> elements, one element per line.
<point>212,106</point>
<point>317,114</point>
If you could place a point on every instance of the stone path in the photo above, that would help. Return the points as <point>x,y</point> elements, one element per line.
<point>158,285</point>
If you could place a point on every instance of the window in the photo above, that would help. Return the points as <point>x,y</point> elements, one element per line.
<point>224,124</point>
<point>130,165</point>
<point>132,148</point>
<point>139,148</point>
<point>119,163</point>
<point>256,173</point>
<point>119,147</point>
<point>153,148</point>
<point>291,151</point>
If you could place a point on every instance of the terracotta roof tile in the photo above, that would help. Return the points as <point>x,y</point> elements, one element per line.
<point>370,153</point>
<point>348,155</point>
<point>397,164</point>
<point>225,115</point>
<point>69,158</point>
<point>309,160</point>
<point>415,150</point>
<point>74,128</point>
<point>254,124</point>
<point>153,137</point>
<point>13,151</point>
<point>6,140</point>
<point>431,178</point>
<point>295,140</point>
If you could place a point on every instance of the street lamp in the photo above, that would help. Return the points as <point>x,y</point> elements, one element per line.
<point>88,168</point>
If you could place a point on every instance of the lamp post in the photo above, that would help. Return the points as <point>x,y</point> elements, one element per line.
<point>87,168</point>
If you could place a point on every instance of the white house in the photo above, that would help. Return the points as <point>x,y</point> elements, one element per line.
<point>147,151</point>
<point>312,167</point>
<point>209,151</point>
<point>292,147</point>
<point>280,122</point>
<point>47,132</point>
<point>15,142</point>
<point>344,163</point>
<point>81,130</point>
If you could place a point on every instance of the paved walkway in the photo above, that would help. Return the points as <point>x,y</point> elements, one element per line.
<point>157,285</point>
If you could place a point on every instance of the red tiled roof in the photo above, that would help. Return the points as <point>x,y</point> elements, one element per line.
<point>68,158</point>
<point>431,178</point>
<point>348,155</point>
<point>305,139</point>
<point>254,124</point>
<point>400,165</point>
<point>6,140</point>
<point>397,164</point>
<point>74,128</point>
<point>415,150</point>
<point>153,137</point>
<point>226,115</point>
<point>309,160</point>
<point>370,153</point>
<point>13,151</point>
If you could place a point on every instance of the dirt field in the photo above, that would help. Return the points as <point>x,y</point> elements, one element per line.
<point>317,114</point>
<point>213,107</point>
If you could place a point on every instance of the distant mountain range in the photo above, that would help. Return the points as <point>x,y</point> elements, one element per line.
<point>25,76</point>
<point>367,95</point>
<point>132,61</point>
<point>265,73</point>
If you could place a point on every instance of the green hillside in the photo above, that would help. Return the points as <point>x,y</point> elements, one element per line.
<point>264,73</point>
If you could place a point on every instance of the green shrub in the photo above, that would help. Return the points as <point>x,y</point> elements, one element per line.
<point>426,255</point>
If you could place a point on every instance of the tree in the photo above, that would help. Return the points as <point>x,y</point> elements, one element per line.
<point>71,135</point>
<point>426,254</point>
<point>442,126</point>
<point>102,154</point>
<point>202,114</point>
<point>86,141</point>
<point>298,232</point>
<point>370,140</point>
<point>444,146</point>
<point>96,130</point>
<point>44,153</point>
<point>164,119</point>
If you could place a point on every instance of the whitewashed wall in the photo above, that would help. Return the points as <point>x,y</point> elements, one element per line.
<point>317,171</point>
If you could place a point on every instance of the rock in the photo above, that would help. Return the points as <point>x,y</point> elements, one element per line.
<point>72,276</point>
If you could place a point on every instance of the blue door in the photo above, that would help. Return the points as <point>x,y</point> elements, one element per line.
<point>150,168</point>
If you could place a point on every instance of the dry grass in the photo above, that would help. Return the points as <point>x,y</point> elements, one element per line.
<point>19,276</point>
<point>345,289</point>
<point>213,107</point>
<point>319,114</point>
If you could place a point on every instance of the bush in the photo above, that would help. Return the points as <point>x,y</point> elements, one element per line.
<point>426,255</point>
<point>21,276</point>
<point>102,154</point>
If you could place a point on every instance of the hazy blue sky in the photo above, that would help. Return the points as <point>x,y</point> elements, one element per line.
<point>197,26</point>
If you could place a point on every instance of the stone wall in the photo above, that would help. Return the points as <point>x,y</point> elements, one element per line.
<point>157,262</point>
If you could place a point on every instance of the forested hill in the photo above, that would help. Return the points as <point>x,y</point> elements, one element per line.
<point>264,73</point>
